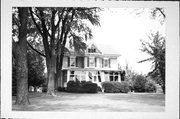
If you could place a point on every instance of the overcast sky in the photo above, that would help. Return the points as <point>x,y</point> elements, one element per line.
<point>123,29</point>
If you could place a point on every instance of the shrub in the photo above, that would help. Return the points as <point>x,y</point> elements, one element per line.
<point>89,88</point>
<point>124,87</point>
<point>115,87</point>
<point>44,89</point>
<point>73,86</point>
<point>61,89</point>
<point>139,83</point>
<point>109,87</point>
<point>81,87</point>
<point>150,86</point>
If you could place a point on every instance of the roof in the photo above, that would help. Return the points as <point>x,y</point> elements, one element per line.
<point>105,49</point>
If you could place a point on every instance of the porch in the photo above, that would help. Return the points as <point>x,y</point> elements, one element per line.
<point>94,75</point>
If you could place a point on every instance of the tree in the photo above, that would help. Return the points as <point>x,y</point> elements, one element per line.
<point>156,49</point>
<point>20,18</point>
<point>57,25</point>
<point>35,69</point>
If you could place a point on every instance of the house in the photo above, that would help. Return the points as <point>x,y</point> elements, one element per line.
<point>97,64</point>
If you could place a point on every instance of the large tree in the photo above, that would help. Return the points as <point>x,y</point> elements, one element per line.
<point>156,49</point>
<point>57,25</point>
<point>20,18</point>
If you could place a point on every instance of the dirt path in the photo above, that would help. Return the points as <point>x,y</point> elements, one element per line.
<point>95,102</point>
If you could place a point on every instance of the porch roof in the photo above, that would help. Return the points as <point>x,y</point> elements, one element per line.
<point>92,69</point>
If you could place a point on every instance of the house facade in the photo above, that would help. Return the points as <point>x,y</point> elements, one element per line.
<point>97,64</point>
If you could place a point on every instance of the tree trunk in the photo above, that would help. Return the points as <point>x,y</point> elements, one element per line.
<point>22,76</point>
<point>51,68</point>
<point>51,77</point>
<point>59,68</point>
<point>21,60</point>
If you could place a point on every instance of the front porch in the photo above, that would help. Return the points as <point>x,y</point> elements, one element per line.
<point>93,75</point>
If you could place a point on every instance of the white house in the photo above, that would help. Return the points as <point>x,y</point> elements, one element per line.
<point>97,64</point>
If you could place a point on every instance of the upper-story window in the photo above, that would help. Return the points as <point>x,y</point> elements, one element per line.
<point>80,62</point>
<point>106,63</point>
<point>91,62</point>
<point>91,50</point>
<point>72,61</point>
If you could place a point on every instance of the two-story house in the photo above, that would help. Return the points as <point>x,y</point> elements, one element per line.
<point>97,64</point>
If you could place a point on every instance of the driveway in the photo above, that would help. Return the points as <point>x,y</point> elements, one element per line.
<point>117,102</point>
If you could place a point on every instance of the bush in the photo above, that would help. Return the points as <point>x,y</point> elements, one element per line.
<point>109,87</point>
<point>150,86</point>
<point>89,88</point>
<point>81,87</point>
<point>44,89</point>
<point>139,83</point>
<point>115,87</point>
<point>61,89</point>
<point>124,87</point>
<point>73,86</point>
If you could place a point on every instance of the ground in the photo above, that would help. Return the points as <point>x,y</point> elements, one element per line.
<point>117,102</point>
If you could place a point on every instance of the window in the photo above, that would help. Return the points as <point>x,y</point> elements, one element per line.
<point>65,62</point>
<point>106,63</point>
<point>100,63</point>
<point>80,62</point>
<point>91,62</point>
<point>77,75</point>
<point>113,76</point>
<point>72,62</point>
<point>91,50</point>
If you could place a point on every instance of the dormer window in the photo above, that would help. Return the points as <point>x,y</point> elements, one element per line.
<point>91,50</point>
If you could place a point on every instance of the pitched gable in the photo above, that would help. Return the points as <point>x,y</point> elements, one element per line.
<point>92,48</point>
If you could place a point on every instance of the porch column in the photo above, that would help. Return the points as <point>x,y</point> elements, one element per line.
<point>68,75</point>
<point>86,76</point>
<point>102,76</point>
<point>85,62</point>
<point>119,77</point>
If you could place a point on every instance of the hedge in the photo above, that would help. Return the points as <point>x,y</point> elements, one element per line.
<point>81,87</point>
<point>115,87</point>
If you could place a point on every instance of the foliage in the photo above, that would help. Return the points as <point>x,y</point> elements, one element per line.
<point>139,83</point>
<point>35,69</point>
<point>156,49</point>
<point>123,74</point>
<point>44,89</point>
<point>115,87</point>
<point>124,87</point>
<point>150,86</point>
<point>81,87</point>
<point>61,89</point>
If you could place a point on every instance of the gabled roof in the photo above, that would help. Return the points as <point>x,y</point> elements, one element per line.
<point>102,49</point>
<point>105,49</point>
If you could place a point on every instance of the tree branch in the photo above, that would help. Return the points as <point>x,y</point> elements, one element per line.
<point>37,26</point>
<point>35,49</point>
<point>59,18</point>
<point>160,10</point>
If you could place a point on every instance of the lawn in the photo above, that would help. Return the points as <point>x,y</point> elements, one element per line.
<point>118,102</point>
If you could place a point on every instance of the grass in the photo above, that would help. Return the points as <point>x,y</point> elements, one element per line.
<point>131,102</point>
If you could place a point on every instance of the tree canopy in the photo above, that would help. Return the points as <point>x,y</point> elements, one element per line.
<point>155,48</point>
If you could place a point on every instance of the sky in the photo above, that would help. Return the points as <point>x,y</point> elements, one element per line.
<point>123,29</point>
